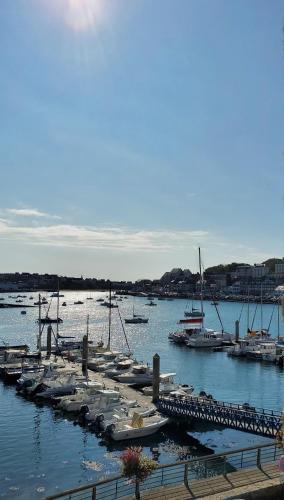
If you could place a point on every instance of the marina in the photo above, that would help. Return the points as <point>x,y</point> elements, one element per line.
<point>144,340</point>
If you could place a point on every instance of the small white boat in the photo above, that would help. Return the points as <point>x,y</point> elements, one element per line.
<point>168,385</point>
<point>140,375</point>
<point>208,338</point>
<point>137,427</point>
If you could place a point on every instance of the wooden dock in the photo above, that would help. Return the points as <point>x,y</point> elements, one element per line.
<point>231,485</point>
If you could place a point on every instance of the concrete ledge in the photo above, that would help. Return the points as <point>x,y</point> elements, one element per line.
<point>271,489</point>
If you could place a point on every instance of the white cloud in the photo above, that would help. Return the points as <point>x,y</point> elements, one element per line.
<point>117,238</point>
<point>30,212</point>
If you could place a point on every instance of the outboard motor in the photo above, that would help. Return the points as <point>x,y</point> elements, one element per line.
<point>109,429</point>
<point>84,410</point>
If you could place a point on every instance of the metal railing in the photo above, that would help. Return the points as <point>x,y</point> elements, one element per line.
<point>254,420</point>
<point>184,472</point>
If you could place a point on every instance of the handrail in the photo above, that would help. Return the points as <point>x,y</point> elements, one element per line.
<point>186,463</point>
<point>223,404</point>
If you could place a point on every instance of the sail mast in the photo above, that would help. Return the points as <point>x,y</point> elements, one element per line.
<point>278,320</point>
<point>261,311</point>
<point>201,281</point>
<point>109,317</point>
<point>39,324</point>
<point>57,312</point>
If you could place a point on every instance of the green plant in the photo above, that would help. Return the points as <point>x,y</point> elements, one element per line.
<point>136,466</point>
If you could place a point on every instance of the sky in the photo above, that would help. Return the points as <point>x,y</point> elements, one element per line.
<point>133,131</point>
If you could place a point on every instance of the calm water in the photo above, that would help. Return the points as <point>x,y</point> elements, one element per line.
<point>43,452</point>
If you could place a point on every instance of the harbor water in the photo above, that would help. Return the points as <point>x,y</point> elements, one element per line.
<point>42,452</point>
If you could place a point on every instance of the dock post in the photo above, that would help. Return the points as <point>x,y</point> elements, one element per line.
<point>85,356</point>
<point>237,330</point>
<point>48,342</point>
<point>156,377</point>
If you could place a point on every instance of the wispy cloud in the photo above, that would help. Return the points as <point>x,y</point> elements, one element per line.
<point>30,212</point>
<point>118,238</point>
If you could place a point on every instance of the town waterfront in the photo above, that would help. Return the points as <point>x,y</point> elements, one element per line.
<point>49,453</point>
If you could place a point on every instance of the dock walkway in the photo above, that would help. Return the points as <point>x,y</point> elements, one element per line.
<point>219,487</point>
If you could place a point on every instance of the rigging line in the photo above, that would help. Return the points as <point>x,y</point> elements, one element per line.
<point>216,307</point>
<point>271,316</point>
<point>124,332</point>
<point>242,308</point>
<point>252,323</point>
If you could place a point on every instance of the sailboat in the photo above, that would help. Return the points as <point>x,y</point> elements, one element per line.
<point>136,319</point>
<point>205,337</point>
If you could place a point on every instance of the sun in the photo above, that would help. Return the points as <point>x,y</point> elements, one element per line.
<point>78,15</point>
<point>82,15</point>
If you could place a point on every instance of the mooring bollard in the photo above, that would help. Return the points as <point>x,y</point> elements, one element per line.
<point>237,330</point>
<point>85,355</point>
<point>156,377</point>
<point>48,342</point>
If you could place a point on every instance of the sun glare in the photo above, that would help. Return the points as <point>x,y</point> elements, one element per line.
<point>82,15</point>
<point>79,15</point>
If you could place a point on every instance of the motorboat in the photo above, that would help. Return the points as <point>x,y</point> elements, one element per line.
<point>56,294</point>
<point>64,304</point>
<point>151,303</point>
<point>121,367</point>
<point>102,358</point>
<point>106,401</point>
<point>83,395</point>
<point>137,427</point>
<point>23,312</point>
<point>78,302</point>
<point>208,338</point>
<point>100,300</point>
<point>139,375</point>
<point>168,385</point>
<point>61,385</point>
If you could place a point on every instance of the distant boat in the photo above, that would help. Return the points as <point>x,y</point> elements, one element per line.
<point>23,312</point>
<point>108,304</point>
<point>100,300</point>
<point>136,319</point>
<point>151,303</point>
<point>56,294</point>
<point>43,302</point>
<point>47,320</point>
<point>64,304</point>
<point>194,313</point>
<point>78,302</point>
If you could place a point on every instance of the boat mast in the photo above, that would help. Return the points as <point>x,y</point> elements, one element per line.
<point>248,312</point>
<point>278,320</point>
<point>57,312</point>
<point>39,324</point>
<point>261,312</point>
<point>109,318</point>
<point>201,282</point>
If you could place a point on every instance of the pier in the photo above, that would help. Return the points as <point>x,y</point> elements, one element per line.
<point>254,420</point>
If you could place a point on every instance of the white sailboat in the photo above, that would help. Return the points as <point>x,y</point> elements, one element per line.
<point>205,337</point>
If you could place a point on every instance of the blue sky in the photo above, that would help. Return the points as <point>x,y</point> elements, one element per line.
<point>133,131</point>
